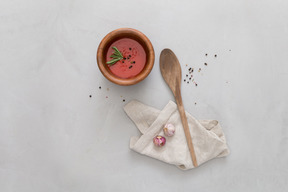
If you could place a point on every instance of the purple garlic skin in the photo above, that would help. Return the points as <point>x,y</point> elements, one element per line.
<point>159,141</point>
<point>169,130</point>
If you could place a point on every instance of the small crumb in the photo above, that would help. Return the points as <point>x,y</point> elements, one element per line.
<point>121,96</point>
<point>107,89</point>
<point>229,49</point>
<point>123,100</point>
<point>99,87</point>
<point>190,78</point>
<point>124,58</point>
<point>184,80</point>
<point>190,69</point>
<point>186,75</point>
<point>206,54</point>
<point>195,103</point>
<point>196,84</point>
<point>188,82</point>
<point>199,69</point>
<point>130,66</point>
<point>90,96</point>
<point>205,64</point>
<point>186,65</point>
<point>215,55</point>
<point>122,61</point>
<point>106,97</point>
<point>130,48</point>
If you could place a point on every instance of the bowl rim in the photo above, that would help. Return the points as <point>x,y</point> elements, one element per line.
<point>106,41</point>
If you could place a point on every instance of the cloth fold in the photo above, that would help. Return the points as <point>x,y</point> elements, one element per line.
<point>207,135</point>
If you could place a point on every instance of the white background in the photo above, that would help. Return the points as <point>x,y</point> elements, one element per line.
<point>53,137</point>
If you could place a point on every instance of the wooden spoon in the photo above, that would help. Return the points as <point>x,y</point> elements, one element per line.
<point>171,72</point>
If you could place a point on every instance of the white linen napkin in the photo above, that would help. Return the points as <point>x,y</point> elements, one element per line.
<point>207,135</point>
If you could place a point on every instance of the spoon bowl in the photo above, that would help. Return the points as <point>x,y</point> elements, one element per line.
<point>171,70</point>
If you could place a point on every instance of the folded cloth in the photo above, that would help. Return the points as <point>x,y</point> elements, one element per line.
<point>207,135</point>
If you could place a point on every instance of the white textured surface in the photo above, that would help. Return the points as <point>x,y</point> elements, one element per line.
<point>53,137</point>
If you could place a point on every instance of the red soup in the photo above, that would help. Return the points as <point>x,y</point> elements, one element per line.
<point>133,61</point>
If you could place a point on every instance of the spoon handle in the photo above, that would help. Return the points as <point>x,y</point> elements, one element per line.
<point>186,127</point>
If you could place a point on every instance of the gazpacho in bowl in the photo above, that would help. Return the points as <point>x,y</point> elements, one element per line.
<point>125,56</point>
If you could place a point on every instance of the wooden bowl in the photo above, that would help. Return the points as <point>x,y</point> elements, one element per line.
<point>119,34</point>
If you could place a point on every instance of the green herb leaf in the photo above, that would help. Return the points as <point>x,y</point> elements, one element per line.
<point>114,56</point>
<point>117,51</point>
<point>113,61</point>
<point>117,56</point>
